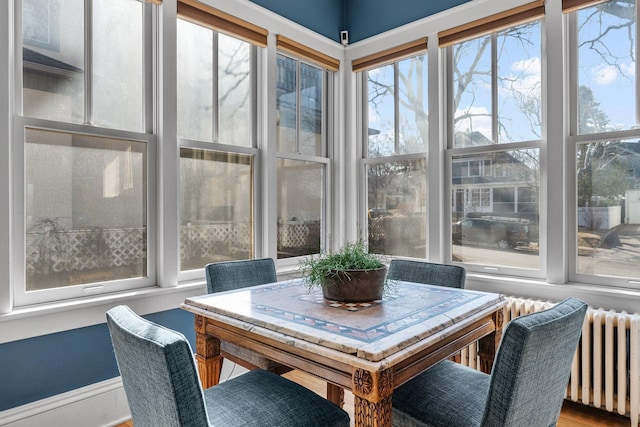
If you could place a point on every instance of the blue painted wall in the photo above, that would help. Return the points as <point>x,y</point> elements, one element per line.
<point>325,17</point>
<point>366,18</point>
<point>362,18</point>
<point>40,367</point>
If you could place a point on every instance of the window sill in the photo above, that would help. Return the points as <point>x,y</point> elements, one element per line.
<point>43,319</point>
<point>607,297</point>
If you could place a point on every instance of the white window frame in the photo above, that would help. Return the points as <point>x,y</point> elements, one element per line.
<point>251,150</point>
<point>325,159</point>
<point>452,155</point>
<point>20,296</point>
<point>365,160</point>
<point>574,139</point>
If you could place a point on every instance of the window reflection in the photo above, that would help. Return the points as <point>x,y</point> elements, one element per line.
<point>85,209</point>
<point>397,217</point>
<point>300,207</point>
<point>608,211</point>
<point>494,207</point>
<point>216,207</point>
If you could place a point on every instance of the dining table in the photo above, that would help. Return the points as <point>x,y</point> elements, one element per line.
<point>369,348</point>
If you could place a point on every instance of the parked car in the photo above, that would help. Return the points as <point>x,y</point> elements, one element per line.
<point>379,212</point>
<point>502,232</point>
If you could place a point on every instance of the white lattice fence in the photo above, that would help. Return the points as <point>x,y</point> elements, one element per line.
<point>80,250</point>
<point>208,240</point>
<point>292,234</point>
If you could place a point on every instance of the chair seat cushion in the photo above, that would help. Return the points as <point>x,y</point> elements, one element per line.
<point>433,398</point>
<point>260,398</point>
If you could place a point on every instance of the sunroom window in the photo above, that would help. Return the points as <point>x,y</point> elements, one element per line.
<point>495,131</point>
<point>303,120</point>
<point>83,137</point>
<point>396,135</point>
<point>216,116</point>
<point>605,142</point>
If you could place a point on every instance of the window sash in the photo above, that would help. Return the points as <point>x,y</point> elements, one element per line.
<point>21,296</point>
<point>143,133</point>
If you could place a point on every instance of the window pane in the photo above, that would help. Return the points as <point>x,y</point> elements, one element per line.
<point>53,60</point>
<point>42,26</point>
<point>381,111</point>
<point>311,110</point>
<point>607,67</point>
<point>234,91</point>
<point>118,84</point>
<point>216,207</point>
<point>608,195</point>
<point>519,83</point>
<point>300,207</point>
<point>497,210</point>
<point>195,81</point>
<point>471,98</point>
<point>397,217</point>
<point>85,201</point>
<point>286,105</point>
<point>412,93</point>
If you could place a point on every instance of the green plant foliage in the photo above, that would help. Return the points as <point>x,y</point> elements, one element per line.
<point>352,256</point>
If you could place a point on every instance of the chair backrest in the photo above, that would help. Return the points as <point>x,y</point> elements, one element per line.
<point>452,276</point>
<point>158,372</point>
<point>532,367</point>
<point>228,275</point>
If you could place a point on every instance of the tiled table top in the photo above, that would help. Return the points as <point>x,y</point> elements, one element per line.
<point>408,313</point>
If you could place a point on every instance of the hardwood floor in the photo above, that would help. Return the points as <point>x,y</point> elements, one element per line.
<point>573,414</point>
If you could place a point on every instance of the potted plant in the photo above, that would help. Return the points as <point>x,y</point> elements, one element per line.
<point>350,274</point>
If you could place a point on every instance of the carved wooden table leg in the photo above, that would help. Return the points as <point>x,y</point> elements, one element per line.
<point>488,346</point>
<point>207,355</point>
<point>372,398</point>
<point>335,394</point>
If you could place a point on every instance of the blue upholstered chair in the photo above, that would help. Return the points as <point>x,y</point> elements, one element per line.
<point>526,386</point>
<point>452,276</point>
<point>161,383</point>
<point>230,275</point>
<point>429,273</point>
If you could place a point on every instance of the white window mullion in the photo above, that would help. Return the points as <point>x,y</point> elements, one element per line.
<point>495,119</point>
<point>396,107</point>
<point>150,64</point>
<point>215,87</point>
<point>439,194</point>
<point>6,110</point>
<point>298,106</point>
<point>168,218</point>
<point>88,62</point>
<point>637,63</point>
<point>557,157</point>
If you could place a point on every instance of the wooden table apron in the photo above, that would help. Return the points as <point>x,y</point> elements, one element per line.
<point>367,348</point>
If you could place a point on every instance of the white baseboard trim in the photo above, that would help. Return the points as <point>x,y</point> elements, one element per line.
<point>102,404</point>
